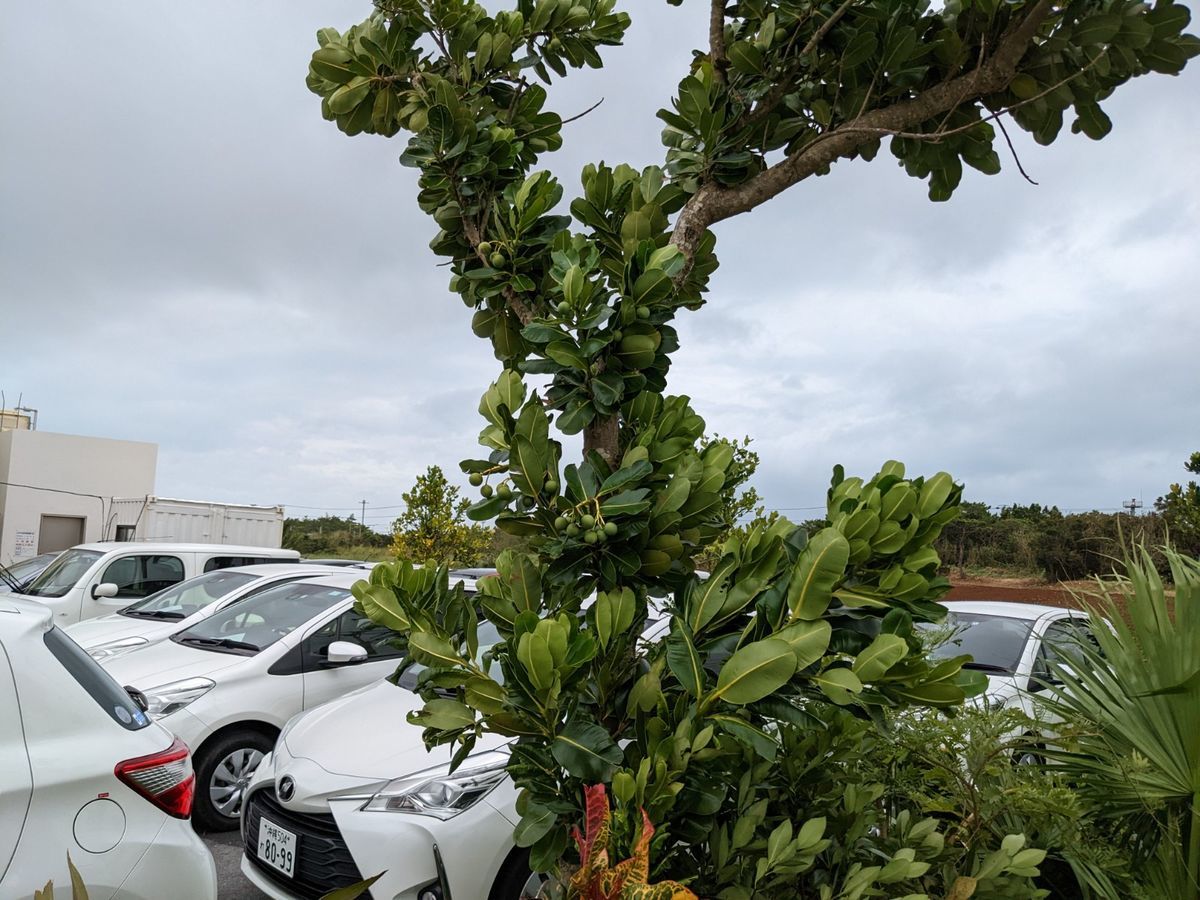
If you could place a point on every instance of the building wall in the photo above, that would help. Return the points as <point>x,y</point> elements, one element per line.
<point>65,475</point>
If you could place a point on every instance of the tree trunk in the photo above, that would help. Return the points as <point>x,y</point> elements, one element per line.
<point>603,436</point>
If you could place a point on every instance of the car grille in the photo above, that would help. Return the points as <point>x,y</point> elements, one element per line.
<point>323,861</point>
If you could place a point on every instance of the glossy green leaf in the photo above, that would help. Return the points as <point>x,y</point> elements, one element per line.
<point>754,672</point>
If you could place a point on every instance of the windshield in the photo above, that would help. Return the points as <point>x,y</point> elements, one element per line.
<point>259,621</point>
<point>182,600</point>
<point>63,574</point>
<point>996,643</point>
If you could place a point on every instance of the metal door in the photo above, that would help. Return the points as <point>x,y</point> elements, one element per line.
<point>60,533</point>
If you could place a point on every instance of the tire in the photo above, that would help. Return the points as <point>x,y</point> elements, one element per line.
<point>1030,754</point>
<point>223,771</point>
<point>515,880</point>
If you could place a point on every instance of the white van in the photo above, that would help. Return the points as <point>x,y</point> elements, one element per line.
<point>96,579</point>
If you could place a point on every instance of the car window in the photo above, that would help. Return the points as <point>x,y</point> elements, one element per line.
<point>261,620</point>
<point>1061,645</point>
<point>357,629</point>
<point>141,576</point>
<point>182,600</point>
<point>110,696</point>
<point>63,574</point>
<point>996,643</point>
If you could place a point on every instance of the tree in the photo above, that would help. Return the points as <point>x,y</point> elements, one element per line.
<point>433,525</point>
<point>1180,507</point>
<point>785,89</point>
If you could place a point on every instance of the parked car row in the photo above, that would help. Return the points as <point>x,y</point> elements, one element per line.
<point>280,690</point>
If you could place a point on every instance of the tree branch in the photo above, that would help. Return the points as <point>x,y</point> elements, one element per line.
<point>781,87</point>
<point>716,40</point>
<point>712,204</point>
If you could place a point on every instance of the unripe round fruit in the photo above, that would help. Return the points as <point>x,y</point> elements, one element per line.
<point>572,530</point>
<point>503,490</point>
<point>551,486</point>
<point>610,528</point>
<point>476,479</point>
<point>590,537</point>
<point>600,535</point>
<point>587,520</point>
<point>564,308</point>
<point>485,248</point>
<point>527,501</point>
<point>643,312</point>
<point>560,523</point>
<point>618,334</point>
<point>497,260</point>
<point>486,490</point>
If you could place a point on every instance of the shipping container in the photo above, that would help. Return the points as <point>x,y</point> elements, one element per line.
<point>194,521</point>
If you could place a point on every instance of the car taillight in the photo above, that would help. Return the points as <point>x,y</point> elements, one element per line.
<point>165,779</point>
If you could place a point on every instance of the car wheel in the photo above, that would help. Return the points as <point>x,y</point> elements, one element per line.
<point>223,772</point>
<point>1029,753</point>
<point>515,881</point>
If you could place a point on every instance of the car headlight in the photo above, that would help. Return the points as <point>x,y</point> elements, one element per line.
<point>436,793</point>
<point>109,649</point>
<point>168,698</point>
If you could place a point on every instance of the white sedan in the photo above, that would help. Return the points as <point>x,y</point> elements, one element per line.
<point>83,771</point>
<point>183,605</point>
<point>227,684</point>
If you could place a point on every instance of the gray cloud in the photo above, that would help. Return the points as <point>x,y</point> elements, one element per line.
<point>190,255</point>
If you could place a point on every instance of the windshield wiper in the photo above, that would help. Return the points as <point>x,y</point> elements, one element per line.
<point>218,643</point>
<point>13,583</point>
<point>987,667</point>
<point>151,613</point>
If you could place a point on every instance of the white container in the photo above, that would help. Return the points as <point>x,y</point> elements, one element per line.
<point>167,520</point>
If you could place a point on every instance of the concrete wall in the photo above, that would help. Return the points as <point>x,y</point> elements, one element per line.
<point>97,467</point>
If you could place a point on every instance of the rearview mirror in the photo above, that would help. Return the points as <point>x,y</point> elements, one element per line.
<point>107,589</point>
<point>345,653</point>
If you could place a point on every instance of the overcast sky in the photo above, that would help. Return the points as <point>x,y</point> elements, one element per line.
<point>190,255</point>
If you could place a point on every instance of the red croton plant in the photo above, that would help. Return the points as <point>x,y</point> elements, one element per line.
<point>628,880</point>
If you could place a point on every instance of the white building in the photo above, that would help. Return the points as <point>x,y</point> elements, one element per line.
<point>56,489</point>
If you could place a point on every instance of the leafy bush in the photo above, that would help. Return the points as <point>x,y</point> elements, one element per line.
<point>1136,700</point>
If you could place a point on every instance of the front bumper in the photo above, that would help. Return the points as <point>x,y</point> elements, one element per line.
<point>348,844</point>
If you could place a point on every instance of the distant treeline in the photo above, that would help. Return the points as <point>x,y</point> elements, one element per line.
<point>1041,540</point>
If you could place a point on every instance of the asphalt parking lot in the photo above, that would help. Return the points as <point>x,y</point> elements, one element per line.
<point>226,848</point>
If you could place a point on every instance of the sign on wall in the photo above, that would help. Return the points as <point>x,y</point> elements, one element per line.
<point>26,542</point>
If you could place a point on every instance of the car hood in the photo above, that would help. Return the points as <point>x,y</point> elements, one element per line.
<point>167,661</point>
<point>92,632</point>
<point>384,746</point>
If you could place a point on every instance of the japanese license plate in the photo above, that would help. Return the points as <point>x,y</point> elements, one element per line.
<point>277,847</point>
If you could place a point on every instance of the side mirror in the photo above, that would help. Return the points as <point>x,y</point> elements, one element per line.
<point>345,653</point>
<point>138,697</point>
<point>107,589</point>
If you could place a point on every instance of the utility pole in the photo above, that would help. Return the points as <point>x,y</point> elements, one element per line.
<point>1132,505</point>
<point>363,520</point>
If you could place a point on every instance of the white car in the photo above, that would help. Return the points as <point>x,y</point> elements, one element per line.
<point>83,771</point>
<point>181,606</point>
<point>351,791</point>
<point>230,682</point>
<point>1013,644</point>
<point>95,579</point>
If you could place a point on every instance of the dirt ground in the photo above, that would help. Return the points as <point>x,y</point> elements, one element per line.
<point>1014,589</point>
